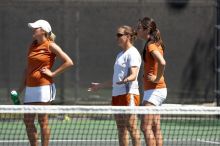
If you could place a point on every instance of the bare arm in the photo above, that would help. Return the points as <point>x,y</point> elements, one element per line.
<point>161,66</point>
<point>97,86</point>
<point>132,76</point>
<point>23,82</point>
<point>67,62</point>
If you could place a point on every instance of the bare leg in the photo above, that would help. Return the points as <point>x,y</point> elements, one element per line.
<point>157,131</point>
<point>31,129</point>
<point>45,131</point>
<point>146,127</point>
<point>147,124</point>
<point>122,130</point>
<point>132,128</point>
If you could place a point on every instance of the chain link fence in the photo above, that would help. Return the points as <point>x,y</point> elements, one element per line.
<point>86,30</point>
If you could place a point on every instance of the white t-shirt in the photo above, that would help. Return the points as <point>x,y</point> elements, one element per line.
<point>124,61</point>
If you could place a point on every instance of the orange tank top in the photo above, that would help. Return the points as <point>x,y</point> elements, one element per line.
<point>39,56</point>
<point>151,67</point>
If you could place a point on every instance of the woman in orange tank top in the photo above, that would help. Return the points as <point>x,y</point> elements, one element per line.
<point>155,90</point>
<point>38,78</point>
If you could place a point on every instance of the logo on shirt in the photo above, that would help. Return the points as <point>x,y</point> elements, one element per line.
<point>42,51</point>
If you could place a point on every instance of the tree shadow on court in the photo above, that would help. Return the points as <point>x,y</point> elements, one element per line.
<point>198,77</point>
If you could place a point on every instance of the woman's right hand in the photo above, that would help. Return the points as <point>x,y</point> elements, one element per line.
<point>94,87</point>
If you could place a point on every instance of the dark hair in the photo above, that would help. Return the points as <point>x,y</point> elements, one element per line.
<point>129,31</point>
<point>155,37</point>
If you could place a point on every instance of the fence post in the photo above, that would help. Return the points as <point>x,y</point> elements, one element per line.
<point>217,48</point>
<point>77,76</point>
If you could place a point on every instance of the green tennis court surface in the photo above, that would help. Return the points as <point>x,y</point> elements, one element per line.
<point>101,130</point>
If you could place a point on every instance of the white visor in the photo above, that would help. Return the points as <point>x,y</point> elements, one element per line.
<point>41,24</point>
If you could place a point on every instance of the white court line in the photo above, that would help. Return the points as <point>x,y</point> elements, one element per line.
<point>210,142</point>
<point>107,140</point>
<point>58,140</point>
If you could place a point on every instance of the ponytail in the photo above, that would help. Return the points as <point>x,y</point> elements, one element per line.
<point>150,26</point>
<point>133,36</point>
<point>155,37</point>
<point>51,36</point>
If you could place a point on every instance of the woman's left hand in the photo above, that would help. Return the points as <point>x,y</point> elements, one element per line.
<point>124,81</point>
<point>47,72</point>
<point>120,82</point>
<point>152,78</point>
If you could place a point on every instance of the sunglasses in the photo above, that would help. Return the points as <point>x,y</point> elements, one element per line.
<point>120,35</point>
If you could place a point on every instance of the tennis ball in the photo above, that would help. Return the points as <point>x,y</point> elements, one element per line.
<point>67,118</point>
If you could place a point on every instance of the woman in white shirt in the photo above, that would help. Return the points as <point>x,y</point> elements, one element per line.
<point>125,90</point>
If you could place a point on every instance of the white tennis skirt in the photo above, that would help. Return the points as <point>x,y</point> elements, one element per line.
<point>44,93</point>
<point>155,96</point>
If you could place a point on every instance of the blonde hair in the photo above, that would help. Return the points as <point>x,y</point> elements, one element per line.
<point>51,36</point>
<point>129,31</point>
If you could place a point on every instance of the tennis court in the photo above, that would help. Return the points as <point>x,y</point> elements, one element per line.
<point>88,128</point>
<point>95,137</point>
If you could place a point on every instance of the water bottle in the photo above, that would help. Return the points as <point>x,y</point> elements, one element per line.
<point>14,97</point>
